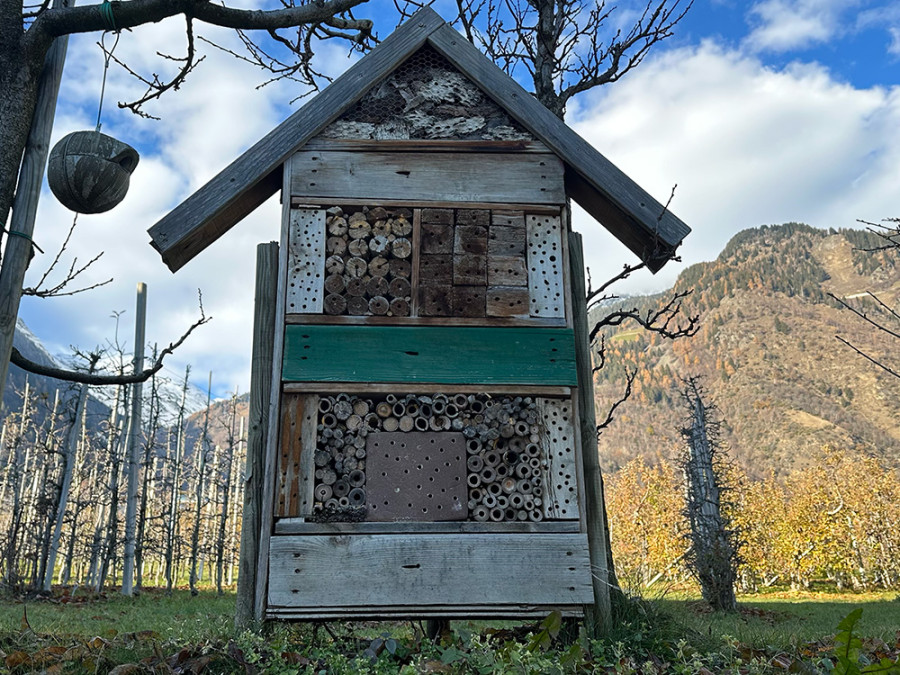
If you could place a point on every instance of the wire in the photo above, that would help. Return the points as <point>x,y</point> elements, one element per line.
<point>106,60</point>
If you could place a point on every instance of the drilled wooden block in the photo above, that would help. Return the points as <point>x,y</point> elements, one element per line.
<point>440,216</point>
<point>416,476</point>
<point>436,270</point>
<point>306,262</point>
<point>468,301</point>
<point>506,241</point>
<point>507,271</point>
<point>473,217</point>
<point>558,441</point>
<point>437,238</point>
<point>435,300</point>
<point>508,218</point>
<point>469,270</point>
<point>545,268</point>
<point>507,301</point>
<point>470,239</point>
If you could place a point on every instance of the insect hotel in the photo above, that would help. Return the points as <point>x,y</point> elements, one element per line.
<point>425,440</point>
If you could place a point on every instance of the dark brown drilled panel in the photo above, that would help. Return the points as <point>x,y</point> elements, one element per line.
<point>416,476</point>
<point>427,98</point>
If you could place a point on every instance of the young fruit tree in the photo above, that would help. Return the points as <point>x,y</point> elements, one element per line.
<point>713,556</point>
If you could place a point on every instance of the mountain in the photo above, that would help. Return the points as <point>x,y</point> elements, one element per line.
<point>766,352</point>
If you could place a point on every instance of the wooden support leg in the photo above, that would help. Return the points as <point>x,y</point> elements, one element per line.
<point>435,628</point>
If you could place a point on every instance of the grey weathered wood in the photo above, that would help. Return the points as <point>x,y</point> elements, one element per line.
<point>260,388</point>
<point>559,444</point>
<point>298,445</point>
<point>429,570</point>
<point>507,301</point>
<point>599,615</point>
<point>256,175</point>
<point>601,188</point>
<point>300,526</point>
<point>425,321</point>
<point>423,388</point>
<point>512,611</point>
<point>425,204</point>
<point>449,176</point>
<point>504,270</point>
<point>545,265</point>
<point>306,261</point>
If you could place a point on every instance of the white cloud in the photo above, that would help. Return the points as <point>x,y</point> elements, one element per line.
<point>746,145</point>
<point>782,25</point>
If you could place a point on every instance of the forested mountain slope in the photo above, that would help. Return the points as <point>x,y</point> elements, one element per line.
<point>766,353</point>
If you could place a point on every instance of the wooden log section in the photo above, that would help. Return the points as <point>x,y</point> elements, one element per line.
<point>356,288</point>
<point>400,268</point>
<point>399,288</point>
<point>355,267</point>
<point>358,248</point>
<point>379,266</point>
<point>335,245</point>
<point>401,227</point>
<point>335,304</point>
<point>379,286</point>
<point>334,264</point>
<point>334,283</point>
<point>399,307</point>
<point>357,306</point>
<point>379,305</point>
<point>401,247</point>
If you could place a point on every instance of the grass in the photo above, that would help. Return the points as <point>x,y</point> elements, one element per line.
<point>178,632</point>
<point>785,620</point>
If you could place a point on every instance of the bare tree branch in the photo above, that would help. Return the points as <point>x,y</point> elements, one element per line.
<point>92,378</point>
<point>610,415</point>
<point>657,321</point>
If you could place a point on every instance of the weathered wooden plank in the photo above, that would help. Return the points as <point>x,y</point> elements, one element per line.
<point>599,613</point>
<point>506,241</point>
<point>306,319</point>
<point>256,175</point>
<point>493,178</point>
<point>423,388</point>
<point>444,569</point>
<point>429,354</point>
<point>641,222</point>
<point>545,270</point>
<point>260,393</point>
<point>418,612</point>
<point>558,443</point>
<point>306,261</point>
<point>300,526</point>
<point>549,209</point>
<point>298,444</point>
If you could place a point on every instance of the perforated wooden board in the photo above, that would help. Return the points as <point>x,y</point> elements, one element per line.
<point>416,476</point>
<point>298,441</point>
<point>558,442</point>
<point>545,265</point>
<point>306,262</point>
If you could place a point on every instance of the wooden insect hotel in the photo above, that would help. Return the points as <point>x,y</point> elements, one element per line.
<point>422,380</point>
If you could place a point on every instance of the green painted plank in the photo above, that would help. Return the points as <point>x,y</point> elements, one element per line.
<point>439,354</point>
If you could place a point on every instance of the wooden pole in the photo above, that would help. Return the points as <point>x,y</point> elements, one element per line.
<point>260,393</point>
<point>18,251</point>
<point>598,617</point>
<point>134,439</point>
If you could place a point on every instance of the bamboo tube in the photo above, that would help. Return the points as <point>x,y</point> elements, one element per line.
<point>323,492</point>
<point>340,488</point>
<point>481,514</point>
<point>473,480</point>
<point>357,497</point>
<point>390,424</point>
<point>497,515</point>
<point>488,475</point>
<point>421,424</point>
<point>489,500</point>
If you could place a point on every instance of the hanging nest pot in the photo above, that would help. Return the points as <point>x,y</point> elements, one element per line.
<point>89,171</point>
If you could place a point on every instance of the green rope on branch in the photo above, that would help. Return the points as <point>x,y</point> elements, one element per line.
<point>106,11</point>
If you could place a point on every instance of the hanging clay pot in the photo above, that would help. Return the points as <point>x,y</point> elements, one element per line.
<point>89,171</point>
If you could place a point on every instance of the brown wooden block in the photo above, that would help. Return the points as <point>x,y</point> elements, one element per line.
<point>437,238</point>
<point>436,270</point>
<point>480,217</point>
<point>507,301</point>
<point>470,239</point>
<point>435,301</point>
<point>469,270</point>
<point>507,271</point>
<point>506,241</point>
<point>469,301</point>
<point>439,216</point>
<point>508,218</point>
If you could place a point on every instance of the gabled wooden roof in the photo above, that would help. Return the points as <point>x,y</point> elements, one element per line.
<point>650,230</point>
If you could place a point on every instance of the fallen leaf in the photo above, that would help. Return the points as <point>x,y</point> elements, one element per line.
<point>16,659</point>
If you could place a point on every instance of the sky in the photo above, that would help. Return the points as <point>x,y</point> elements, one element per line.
<point>754,113</point>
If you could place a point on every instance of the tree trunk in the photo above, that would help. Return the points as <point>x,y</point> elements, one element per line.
<point>68,470</point>
<point>201,471</point>
<point>176,488</point>
<point>134,438</point>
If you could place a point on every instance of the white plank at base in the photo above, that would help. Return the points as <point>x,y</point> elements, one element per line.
<point>362,571</point>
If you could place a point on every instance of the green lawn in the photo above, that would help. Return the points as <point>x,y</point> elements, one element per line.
<point>165,633</point>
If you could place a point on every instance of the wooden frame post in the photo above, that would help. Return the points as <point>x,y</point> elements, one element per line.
<point>260,393</point>
<point>598,617</point>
